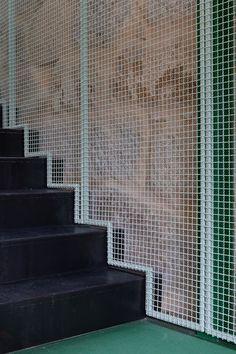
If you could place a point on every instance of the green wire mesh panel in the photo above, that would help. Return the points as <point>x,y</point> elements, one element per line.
<point>221,243</point>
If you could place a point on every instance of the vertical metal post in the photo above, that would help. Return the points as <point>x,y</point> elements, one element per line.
<point>12,62</point>
<point>206,160</point>
<point>84,111</point>
<point>208,147</point>
<point>201,35</point>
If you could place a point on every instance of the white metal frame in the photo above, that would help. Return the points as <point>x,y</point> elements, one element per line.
<point>82,190</point>
<point>208,167</point>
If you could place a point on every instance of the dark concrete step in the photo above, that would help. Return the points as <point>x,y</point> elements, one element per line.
<point>1,116</point>
<point>23,173</point>
<point>41,207</point>
<point>32,252</point>
<point>53,308</point>
<point>11,143</point>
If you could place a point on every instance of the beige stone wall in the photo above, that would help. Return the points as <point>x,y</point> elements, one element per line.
<point>144,143</point>
<point>4,50</point>
<point>143,123</point>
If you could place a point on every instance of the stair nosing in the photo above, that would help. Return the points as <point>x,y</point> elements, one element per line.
<point>21,158</point>
<point>66,234</point>
<point>35,193</point>
<point>128,278</point>
<point>11,130</point>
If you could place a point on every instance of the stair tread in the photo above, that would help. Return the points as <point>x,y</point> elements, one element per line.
<point>51,267</point>
<point>34,192</point>
<point>62,284</point>
<point>40,232</point>
<point>19,159</point>
<point>12,131</point>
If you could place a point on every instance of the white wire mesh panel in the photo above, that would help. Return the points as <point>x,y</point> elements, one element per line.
<point>4,55</point>
<point>145,126</point>
<point>48,82</point>
<point>143,119</point>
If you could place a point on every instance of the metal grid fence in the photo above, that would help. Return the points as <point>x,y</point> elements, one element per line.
<point>143,134</point>
<point>133,103</point>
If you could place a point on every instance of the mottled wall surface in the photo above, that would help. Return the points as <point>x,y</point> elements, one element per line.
<point>4,50</point>
<point>142,116</point>
<point>143,128</point>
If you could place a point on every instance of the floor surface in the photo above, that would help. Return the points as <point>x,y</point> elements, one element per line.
<point>141,337</point>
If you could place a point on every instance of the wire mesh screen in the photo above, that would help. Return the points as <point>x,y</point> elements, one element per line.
<point>48,82</point>
<point>143,134</point>
<point>4,56</point>
<point>220,128</point>
<point>133,101</point>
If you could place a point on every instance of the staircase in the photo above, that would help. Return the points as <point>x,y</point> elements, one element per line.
<point>54,278</point>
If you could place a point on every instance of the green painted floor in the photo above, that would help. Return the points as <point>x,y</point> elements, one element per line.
<point>141,337</point>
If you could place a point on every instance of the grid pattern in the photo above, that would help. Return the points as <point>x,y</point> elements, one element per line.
<point>48,82</point>
<point>220,248</point>
<point>4,67</point>
<point>143,134</point>
<point>133,102</point>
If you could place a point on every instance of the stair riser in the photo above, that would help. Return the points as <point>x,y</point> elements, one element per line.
<point>71,290</point>
<point>54,318</point>
<point>1,116</point>
<point>11,143</point>
<point>23,174</point>
<point>18,211</point>
<point>33,258</point>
